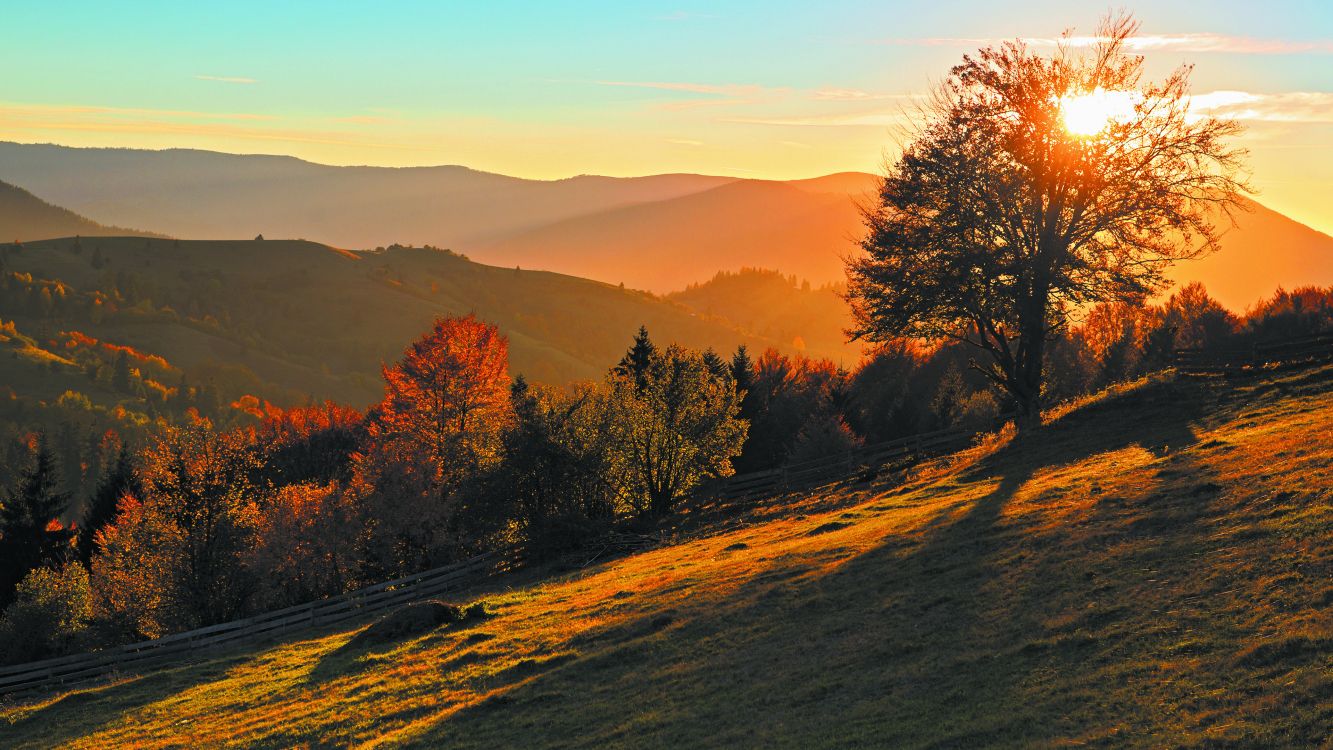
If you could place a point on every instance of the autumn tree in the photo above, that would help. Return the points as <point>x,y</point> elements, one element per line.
<point>174,559</point>
<point>677,424</point>
<point>1035,186</point>
<point>307,544</point>
<point>445,406</point>
<point>562,473</point>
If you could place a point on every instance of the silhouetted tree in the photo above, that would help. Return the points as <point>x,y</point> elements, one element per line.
<point>997,221</point>
<point>638,359</point>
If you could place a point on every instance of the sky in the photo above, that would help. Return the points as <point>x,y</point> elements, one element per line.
<point>766,89</point>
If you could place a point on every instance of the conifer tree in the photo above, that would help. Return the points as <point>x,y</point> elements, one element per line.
<point>120,480</point>
<point>638,359</point>
<point>30,530</point>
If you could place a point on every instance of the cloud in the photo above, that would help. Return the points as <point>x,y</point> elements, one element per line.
<point>1146,43</point>
<point>226,79</point>
<point>874,119</point>
<point>1292,106</point>
<point>684,142</point>
<point>851,95</point>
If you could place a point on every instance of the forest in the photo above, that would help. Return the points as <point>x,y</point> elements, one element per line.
<point>114,535</point>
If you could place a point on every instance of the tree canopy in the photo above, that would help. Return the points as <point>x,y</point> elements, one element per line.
<point>1036,186</point>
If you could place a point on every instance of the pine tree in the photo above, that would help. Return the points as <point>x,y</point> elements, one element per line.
<point>742,369</point>
<point>638,359</point>
<point>716,365</point>
<point>28,536</point>
<point>120,480</point>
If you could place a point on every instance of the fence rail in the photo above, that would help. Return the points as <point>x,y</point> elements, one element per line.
<point>1300,350</point>
<point>41,675</point>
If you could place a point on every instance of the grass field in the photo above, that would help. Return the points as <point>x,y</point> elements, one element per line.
<point>1155,570</point>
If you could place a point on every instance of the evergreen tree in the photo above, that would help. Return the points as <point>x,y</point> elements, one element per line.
<point>742,369</point>
<point>716,364</point>
<point>28,538</point>
<point>120,480</point>
<point>638,360</point>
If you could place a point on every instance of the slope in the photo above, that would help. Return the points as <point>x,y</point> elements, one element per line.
<point>809,318</point>
<point>205,194</point>
<point>1154,570</point>
<point>288,319</point>
<point>25,217</point>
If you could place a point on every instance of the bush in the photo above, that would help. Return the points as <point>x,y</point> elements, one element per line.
<point>50,615</point>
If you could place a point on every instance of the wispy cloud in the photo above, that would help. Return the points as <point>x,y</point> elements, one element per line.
<point>226,79</point>
<point>1147,43</point>
<point>1293,106</point>
<point>852,95</point>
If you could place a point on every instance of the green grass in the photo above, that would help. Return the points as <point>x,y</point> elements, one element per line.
<point>1154,570</point>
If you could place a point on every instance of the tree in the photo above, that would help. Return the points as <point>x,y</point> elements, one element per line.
<point>1010,210</point>
<point>120,480</point>
<point>638,359</point>
<point>197,518</point>
<point>679,427</point>
<point>444,409</point>
<point>742,369</point>
<point>50,615</point>
<point>30,530</point>
<point>306,544</point>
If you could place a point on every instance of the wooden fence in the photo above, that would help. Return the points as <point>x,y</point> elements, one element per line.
<point>43,675</point>
<point>1301,350</point>
<point>897,454</point>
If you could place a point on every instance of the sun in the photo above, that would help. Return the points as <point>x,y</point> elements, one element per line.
<point>1091,113</point>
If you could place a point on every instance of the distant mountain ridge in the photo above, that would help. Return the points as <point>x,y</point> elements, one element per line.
<point>659,233</point>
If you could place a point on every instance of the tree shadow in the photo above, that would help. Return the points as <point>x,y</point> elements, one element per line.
<point>939,640</point>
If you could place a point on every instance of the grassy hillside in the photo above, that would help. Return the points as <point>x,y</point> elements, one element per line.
<point>24,217</point>
<point>285,318</point>
<point>1152,571</point>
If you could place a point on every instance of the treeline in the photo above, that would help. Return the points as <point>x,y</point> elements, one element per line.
<point>209,524</point>
<point>206,525</point>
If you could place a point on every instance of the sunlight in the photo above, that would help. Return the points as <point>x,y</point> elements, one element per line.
<point>1089,114</point>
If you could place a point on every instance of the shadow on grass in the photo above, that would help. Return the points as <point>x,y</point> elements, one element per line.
<point>86,710</point>
<point>954,639</point>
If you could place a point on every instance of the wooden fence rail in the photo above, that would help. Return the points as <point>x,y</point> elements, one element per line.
<point>1299,350</point>
<point>179,647</point>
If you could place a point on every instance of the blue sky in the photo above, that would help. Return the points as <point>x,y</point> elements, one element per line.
<point>765,89</point>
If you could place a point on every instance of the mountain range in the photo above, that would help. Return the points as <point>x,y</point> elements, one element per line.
<point>658,233</point>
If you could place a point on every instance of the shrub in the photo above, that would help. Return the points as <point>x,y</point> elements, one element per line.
<point>50,615</point>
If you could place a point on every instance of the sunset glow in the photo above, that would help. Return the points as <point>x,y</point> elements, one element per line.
<point>1090,114</point>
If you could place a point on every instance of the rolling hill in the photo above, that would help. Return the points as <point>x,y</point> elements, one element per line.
<point>285,320</point>
<point>1152,570</point>
<point>658,233</point>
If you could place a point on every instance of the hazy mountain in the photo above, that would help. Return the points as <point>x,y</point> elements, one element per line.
<point>1265,250</point>
<point>24,217</point>
<point>659,233</point>
<point>205,194</point>
<point>668,244</point>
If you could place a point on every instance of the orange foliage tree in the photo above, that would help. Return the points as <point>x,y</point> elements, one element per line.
<point>445,407</point>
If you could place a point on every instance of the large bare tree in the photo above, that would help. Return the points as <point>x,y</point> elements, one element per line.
<point>1035,185</point>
